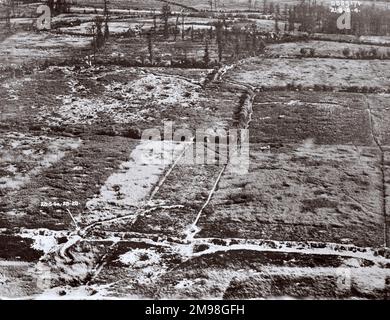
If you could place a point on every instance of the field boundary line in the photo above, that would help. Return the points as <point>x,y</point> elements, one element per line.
<point>73,219</point>
<point>161,182</point>
<point>210,195</point>
<point>383,173</point>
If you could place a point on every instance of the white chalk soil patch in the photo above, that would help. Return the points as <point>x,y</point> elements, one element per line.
<point>129,187</point>
<point>44,239</point>
<point>140,258</point>
<point>147,264</point>
<point>139,100</point>
<point>85,292</point>
<point>115,27</point>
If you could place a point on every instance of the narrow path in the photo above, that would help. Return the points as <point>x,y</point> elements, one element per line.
<point>161,182</point>
<point>193,230</point>
<point>245,116</point>
<point>383,173</point>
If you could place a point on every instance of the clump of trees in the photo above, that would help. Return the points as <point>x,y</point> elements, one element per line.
<point>100,30</point>
<point>362,53</point>
<point>150,46</point>
<point>7,25</point>
<point>58,6</point>
<point>204,47</point>
<point>9,11</point>
<point>99,33</point>
<point>165,14</point>
<point>220,38</point>
<point>307,52</point>
<point>106,18</point>
<point>317,17</point>
<point>206,57</point>
<point>347,52</point>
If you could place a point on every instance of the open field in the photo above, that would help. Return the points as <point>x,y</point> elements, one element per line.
<point>337,74</point>
<point>205,5</point>
<point>32,48</point>
<point>306,196</point>
<point>341,118</point>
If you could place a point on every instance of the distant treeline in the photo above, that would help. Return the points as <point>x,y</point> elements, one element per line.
<point>313,17</point>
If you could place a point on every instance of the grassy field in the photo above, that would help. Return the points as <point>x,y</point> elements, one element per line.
<point>324,118</point>
<point>30,48</point>
<point>338,74</point>
<point>302,193</point>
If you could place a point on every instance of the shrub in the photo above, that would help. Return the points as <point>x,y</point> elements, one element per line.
<point>346,52</point>
<point>317,87</point>
<point>374,52</point>
<point>362,53</point>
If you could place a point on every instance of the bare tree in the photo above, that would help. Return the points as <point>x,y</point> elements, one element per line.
<point>12,6</point>
<point>177,26</point>
<point>150,46</point>
<point>92,30</point>
<point>50,4</point>
<point>206,57</point>
<point>106,18</point>
<point>277,29</point>
<point>8,20</point>
<point>154,23</point>
<point>182,25</point>
<point>165,14</point>
<point>237,42</point>
<point>97,33</point>
<point>220,42</point>
<point>60,6</point>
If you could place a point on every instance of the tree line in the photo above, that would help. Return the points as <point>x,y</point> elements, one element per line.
<point>313,17</point>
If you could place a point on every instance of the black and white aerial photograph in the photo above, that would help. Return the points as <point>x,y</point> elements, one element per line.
<point>194,150</point>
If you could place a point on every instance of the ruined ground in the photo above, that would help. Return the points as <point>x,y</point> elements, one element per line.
<point>82,216</point>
